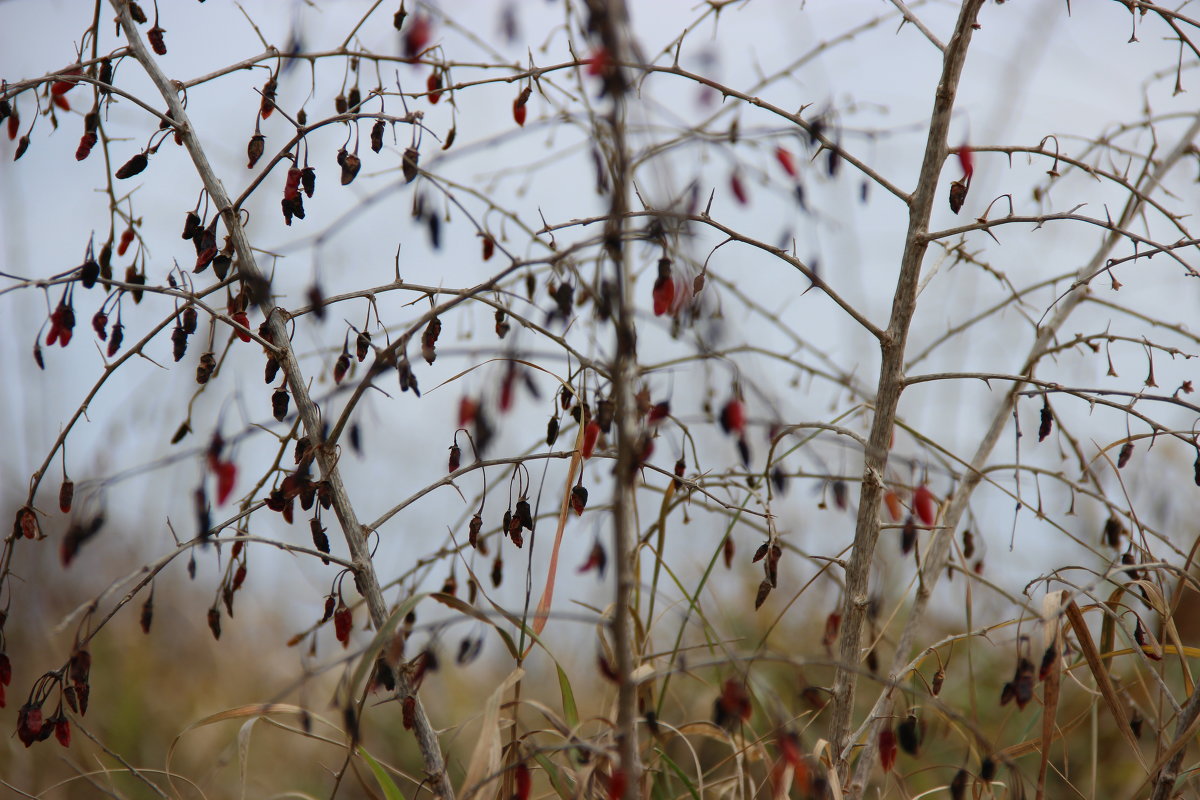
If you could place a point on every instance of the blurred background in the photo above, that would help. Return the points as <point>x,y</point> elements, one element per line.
<point>1086,74</point>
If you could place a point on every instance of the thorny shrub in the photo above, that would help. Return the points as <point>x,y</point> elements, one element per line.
<point>813,547</point>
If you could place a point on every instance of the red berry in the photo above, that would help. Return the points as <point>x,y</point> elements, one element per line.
<point>887,749</point>
<point>739,190</point>
<point>786,160</point>
<point>733,416</point>
<point>243,319</point>
<point>590,434</point>
<point>967,161</point>
<point>126,240</point>
<point>924,505</point>
<point>226,478</point>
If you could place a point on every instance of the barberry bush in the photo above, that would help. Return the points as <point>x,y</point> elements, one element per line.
<point>599,399</point>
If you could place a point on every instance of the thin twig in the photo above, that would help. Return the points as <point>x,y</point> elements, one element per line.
<point>887,396</point>
<point>366,579</point>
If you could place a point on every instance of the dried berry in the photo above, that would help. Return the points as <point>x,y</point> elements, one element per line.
<point>29,724</point>
<point>1022,683</point>
<point>909,734</point>
<point>132,276</point>
<point>268,98</point>
<point>214,622</point>
<point>840,495</point>
<point>429,340</point>
<point>133,166</point>
<point>316,299</point>
<point>408,164</point>
<point>958,195</point>
<point>958,786</point>
<point>179,340</point>
<point>192,225</point>
<point>362,345</point>
<point>62,324</point>
<point>350,164</point>
<point>155,35</point>
<point>115,339</point>
<point>473,529</point>
<point>1113,530</point>
<point>764,589</point>
<point>136,13</point>
<point>205,368</point>
<point>340,367</point>
<point>1048,659</point>
<point>66,494</point>
<point>272,369</point>
<point>455,458</point>
<point>279,404</point>
<point>89,273</point>
<point>579,498</point>
<point>377,136</point>
<point>308,180</point>
<point>100,325</point>
<point>254,150</point>
<point>524,514</point>
<point>908,536</point>
<point>1125,454</point>
<point>86,143</point>
<point>320,540</point>
<point>1047,422</point>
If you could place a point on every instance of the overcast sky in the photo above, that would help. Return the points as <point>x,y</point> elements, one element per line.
<point>1032,71</point>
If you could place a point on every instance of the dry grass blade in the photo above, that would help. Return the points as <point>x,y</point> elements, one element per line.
<point>484,765</point>
<point>1103,681</point>
<point>542,615</point>
<point>1051,685</point>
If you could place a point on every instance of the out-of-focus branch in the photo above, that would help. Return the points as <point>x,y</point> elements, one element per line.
<point>609,22</point>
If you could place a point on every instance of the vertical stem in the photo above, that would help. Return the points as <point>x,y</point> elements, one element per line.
<point>365,578</point>
<point>608,19</point>
<point>891,384</point>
